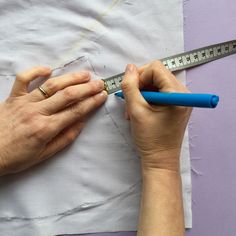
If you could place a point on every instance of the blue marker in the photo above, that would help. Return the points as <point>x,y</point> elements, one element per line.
<point>179,99</point>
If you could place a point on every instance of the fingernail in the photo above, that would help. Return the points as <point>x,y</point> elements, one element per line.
<point>129,68</point>
<point>102,94</point>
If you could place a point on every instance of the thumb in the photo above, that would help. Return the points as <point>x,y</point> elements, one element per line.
<point>130,87</point>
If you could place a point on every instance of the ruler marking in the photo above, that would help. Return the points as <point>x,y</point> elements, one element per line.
<point>182,61</point>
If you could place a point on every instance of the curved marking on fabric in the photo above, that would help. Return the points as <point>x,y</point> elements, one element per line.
<point>83,207</point>
<point>90,28</point>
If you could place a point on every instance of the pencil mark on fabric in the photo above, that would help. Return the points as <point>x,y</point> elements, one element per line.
<point>83,37</point>
<point>128,3</point>
<point>68,63</point>
<point>83,207</point>
<point>118,129</point>
<point>54,69</point>
<point>7,75</point>
<point>91,65</point>
<point>91,27</point>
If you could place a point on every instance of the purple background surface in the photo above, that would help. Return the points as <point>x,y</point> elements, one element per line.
<point>212,132</point>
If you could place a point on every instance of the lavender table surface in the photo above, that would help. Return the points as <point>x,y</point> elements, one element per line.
<point>212,132</point>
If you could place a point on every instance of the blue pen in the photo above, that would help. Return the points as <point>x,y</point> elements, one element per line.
<point>179,99</point>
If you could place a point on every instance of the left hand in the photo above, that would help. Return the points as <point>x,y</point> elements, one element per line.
<point>34,127</point>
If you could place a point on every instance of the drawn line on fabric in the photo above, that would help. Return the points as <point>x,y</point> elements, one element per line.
<point>94,71</point>
<point>128,3</point>
<point>118,129</point>
<point>7,75</point>
<point>90,28</point>
<point>90,63</point>
<point>75,210</point>
<point>53,69</point>
<point>110,116</point>
<point>68,63</point>
<point>89,205</point>
<point>83,37</point>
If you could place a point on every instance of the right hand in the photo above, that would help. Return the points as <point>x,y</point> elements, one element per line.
<point>157,130</point>
<point>33,128</point>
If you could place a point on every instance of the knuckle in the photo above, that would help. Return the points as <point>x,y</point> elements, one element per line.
<point>94,87</point>
<point>156,64</point>
<point>159,69</point>
<point>38,68</point>
<point>78,111</point>
<point>51,85</point>
<point>137,113</point>
<point>39,129</point>
<point>125,85</point>
<point>69,94</point>
<point>75,75</point>
<point>160,72</point>
<point>71,136</point>
<point>20,77</point>
<point>96,102</point>
<point>80,76</point>
<point>42,70</point>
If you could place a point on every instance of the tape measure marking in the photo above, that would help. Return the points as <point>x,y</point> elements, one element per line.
<point>182,61</point>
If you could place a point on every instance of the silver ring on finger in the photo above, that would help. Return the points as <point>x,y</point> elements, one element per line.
<point>43,91</point>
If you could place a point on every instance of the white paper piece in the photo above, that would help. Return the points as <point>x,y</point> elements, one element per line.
<point>94,185</point>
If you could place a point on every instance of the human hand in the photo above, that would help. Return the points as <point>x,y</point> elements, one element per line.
<point>33,127</point>
<point>157,130</point>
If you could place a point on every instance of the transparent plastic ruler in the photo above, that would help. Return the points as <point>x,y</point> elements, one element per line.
<point>182,61</point>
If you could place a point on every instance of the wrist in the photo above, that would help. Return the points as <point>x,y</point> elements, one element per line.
<point>161,192</point>
<point>153,178</point>
<point>161,161</point>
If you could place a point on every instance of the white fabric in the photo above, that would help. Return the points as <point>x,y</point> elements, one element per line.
<point>94,185</point>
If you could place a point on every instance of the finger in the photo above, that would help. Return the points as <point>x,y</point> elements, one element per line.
<point>62,140</point>
<point>142,68</point>
<point>71,95</point>
<point>20,86</point>
<point>79,111</point>
<point>157,75</point>
<point>55,84</point>
<point>130,87</point>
